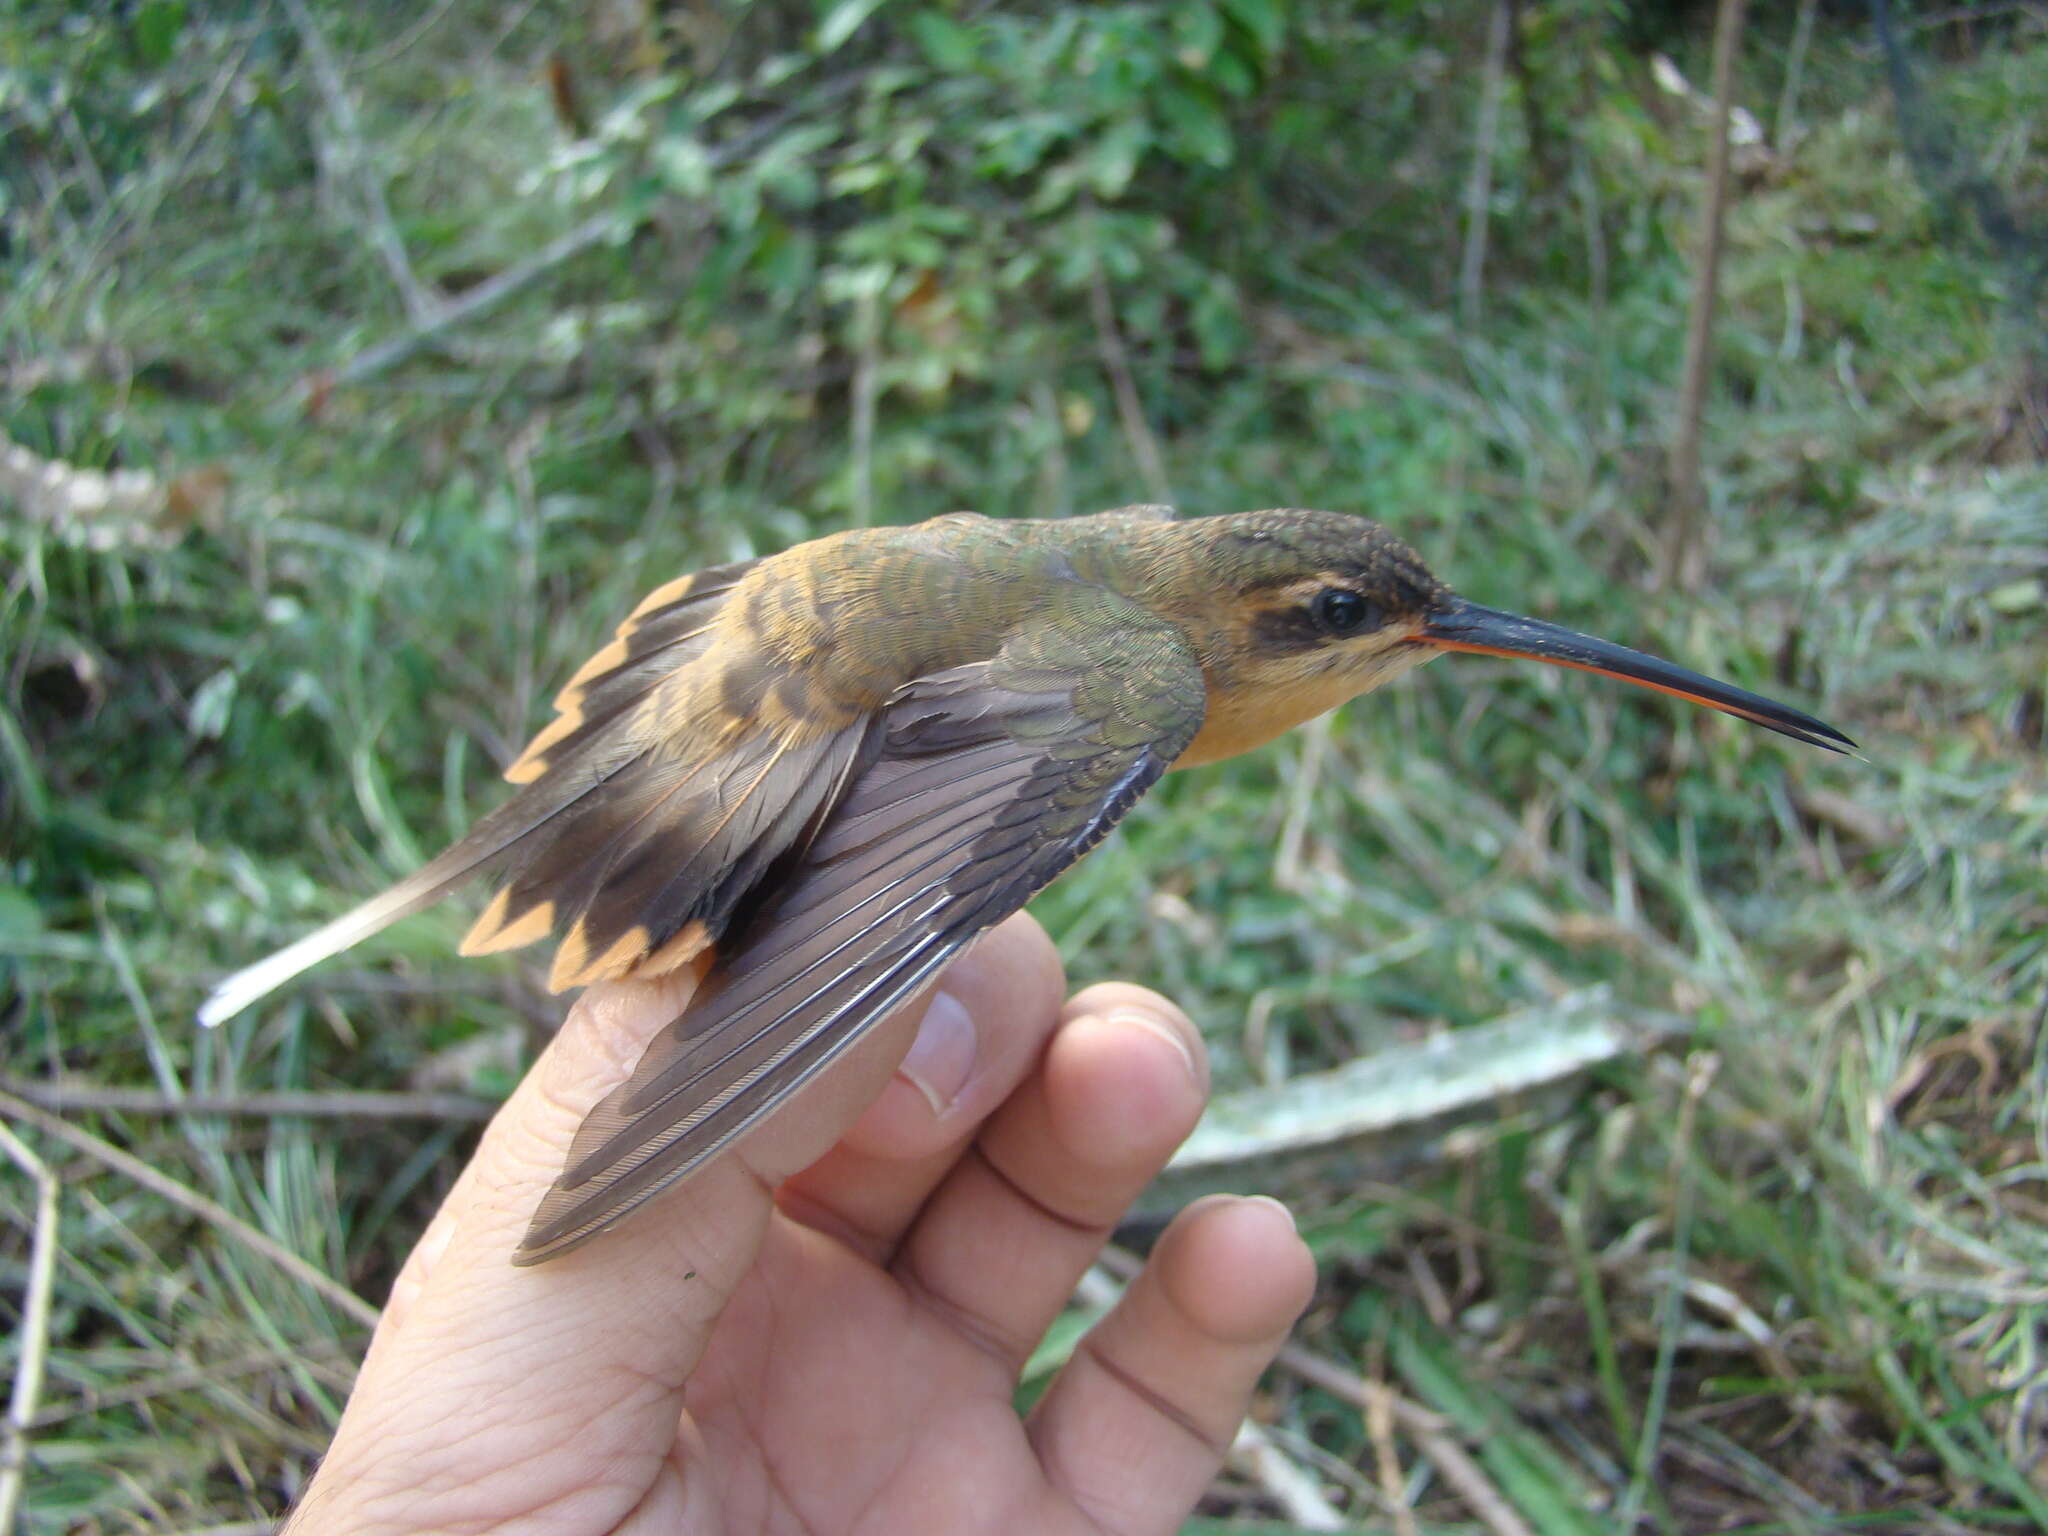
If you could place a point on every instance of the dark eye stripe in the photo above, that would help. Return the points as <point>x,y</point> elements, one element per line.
<point>1287,628</point>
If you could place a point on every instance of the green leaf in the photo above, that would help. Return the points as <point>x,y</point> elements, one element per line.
<point>861,176</point>
<point>787,262</point>
<point>1196,127</point>
<point>1197,34</point>
<point>207,715</point>
<point>19,770</point>
<point>1216,321</point>
<point>948,45</point>
<point>1016,145</point>
<point>683,165</point>
<point>1230,74</point>
<point>1114,159</point>
<point>20,918</point>
<point>2016,596</point>
<point>842,21</point>
<point>1060,1341</point>
<point>1265,20</point>
<point>157,25</point>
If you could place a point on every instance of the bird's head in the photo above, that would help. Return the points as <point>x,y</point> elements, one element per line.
<point>1294,611</point>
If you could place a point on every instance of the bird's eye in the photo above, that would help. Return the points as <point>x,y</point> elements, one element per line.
<point>1339,611</point>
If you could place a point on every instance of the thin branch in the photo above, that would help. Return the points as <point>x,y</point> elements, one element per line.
<point>33,1334</point>
<point>1685,555</point>
<point>1972,13</point>
<point>1643,1482</point>
<point>1116,361</point>
<point>312,1106</point>
<point>1795,68</point>
<point>1479,184</point>
<point>130,224</point>
<point>867,367</point>
<point>214,1215</point>
<point>300,1354</point>
<point>1431,1433</point>
<point>596,229</point>
<point>412,34</point>
<point>1379,1427</point>
<point>1289,869</point>
<point>1287,1484</point>
<point>485,296</point>
<point>420,304</point>
<point>1535,123</point>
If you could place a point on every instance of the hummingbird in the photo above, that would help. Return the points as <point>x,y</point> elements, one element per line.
<point>816,776</point>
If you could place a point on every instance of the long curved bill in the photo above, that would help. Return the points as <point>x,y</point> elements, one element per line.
<point>1463,626</point>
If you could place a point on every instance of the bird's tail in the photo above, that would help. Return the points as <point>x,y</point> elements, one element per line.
<point>379,912</point>
<point>487,843</point>
<point>593,740</point>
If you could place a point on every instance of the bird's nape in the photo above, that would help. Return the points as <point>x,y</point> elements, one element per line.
<point>1459,625</point>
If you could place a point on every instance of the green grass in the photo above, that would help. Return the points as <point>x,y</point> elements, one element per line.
<point>1787,1276</point>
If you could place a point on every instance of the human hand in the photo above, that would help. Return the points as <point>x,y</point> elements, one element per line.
<point>822,1331</point>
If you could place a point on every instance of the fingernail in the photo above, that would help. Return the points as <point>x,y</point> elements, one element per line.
<point>1269,1200</point>
<point>941,1058</point>
<point>1153,1024</point>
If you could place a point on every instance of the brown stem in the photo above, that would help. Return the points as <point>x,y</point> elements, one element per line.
<point>211,1212</point>
<point>1479,184</point>
<point>1685,555</point>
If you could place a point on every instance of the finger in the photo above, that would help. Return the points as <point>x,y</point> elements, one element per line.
<point>412,1277</point>
<point>983,1029</point>
<point>1001,1242</point>
<point>1137,1422</point>
<point>496,1372</point>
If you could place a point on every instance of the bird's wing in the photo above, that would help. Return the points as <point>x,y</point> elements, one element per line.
<point>671,627</point>
<point>590,757</point>
<point>647,871</point>
<point>975,788</point>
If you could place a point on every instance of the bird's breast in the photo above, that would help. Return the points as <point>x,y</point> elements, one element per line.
<point>1241,718</point>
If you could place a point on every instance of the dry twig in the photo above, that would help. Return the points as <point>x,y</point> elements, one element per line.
<point>301,1355</point>
<point>1130,410</point>
<point>1431,1432</point>
<point>345,1105</point>
<point>485,296</point>
<point>1379,1425</point>
<point>1479,185</point>
<point>867,369</point>
<point>34,1332</point>
<point>595,230</point>
<point>421,305</point>
<point>213,1214</point>
<point>1685,555</point>
<point>1787,118</point>
<point>1296,1491</point>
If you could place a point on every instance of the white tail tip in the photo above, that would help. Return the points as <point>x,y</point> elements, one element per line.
<point>273,971</point>
<point>243,988</point>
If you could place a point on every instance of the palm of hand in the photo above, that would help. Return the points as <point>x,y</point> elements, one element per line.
<point>828,1344</point>
<point>841,1403</point>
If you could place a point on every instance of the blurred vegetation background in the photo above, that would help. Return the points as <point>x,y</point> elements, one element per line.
<point>361,364</point>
